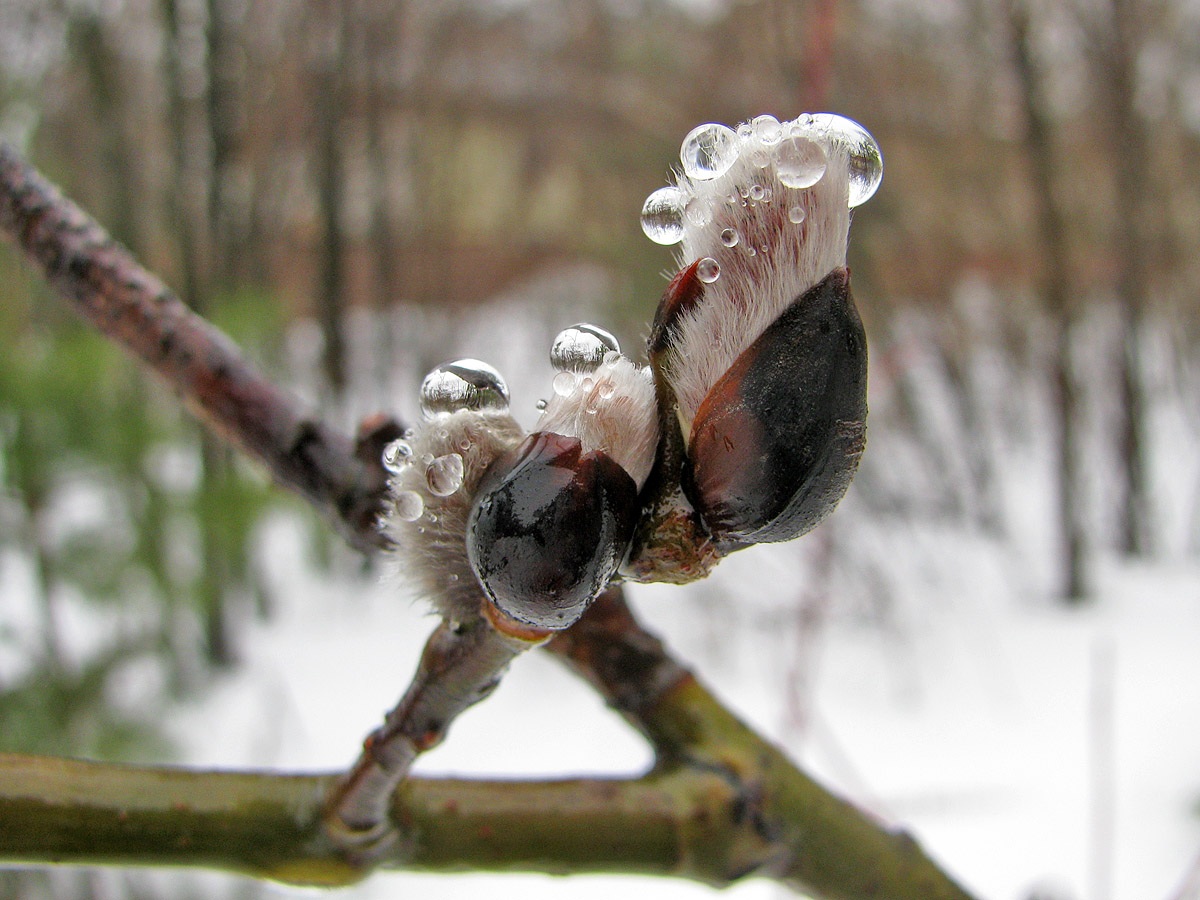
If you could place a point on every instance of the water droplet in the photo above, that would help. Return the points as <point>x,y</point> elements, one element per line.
<point>564,384</point>
<point>796,214</point>
<point>463,384</point>
<point>708,270</point>
<point>662,215</point>
<point>757,192</point>
<point>396,456</point>
<point>800,162</point>
<point>698,212</point>
<point>611,358</point>
<point>541,405</point>
<point>745,131</point>
<point>445,475</point>
<point>768,130</point>
<point>586,384</point>
<point>606,390</point>
<point>865,160</point>
<point>408,505</point>
<point>708,151</point>
<point>582,348</point>
<point>729,237</point>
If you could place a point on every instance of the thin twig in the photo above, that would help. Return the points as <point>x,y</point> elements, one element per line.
<point>107,287</point>
<point>461,665</point>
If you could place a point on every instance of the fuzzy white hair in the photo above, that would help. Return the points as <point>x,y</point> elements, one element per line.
<point>431,548</point>
<point>611,408</point>
<point>774,261</point>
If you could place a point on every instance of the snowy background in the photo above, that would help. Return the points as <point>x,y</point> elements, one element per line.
<point>912,652</point>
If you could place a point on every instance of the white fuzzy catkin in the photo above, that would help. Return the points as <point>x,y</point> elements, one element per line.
<point>611,408</point>
<point>774,261</point>
<point>431,550</point>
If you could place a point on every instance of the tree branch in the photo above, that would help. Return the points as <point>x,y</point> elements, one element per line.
<point>721,804</point>
<point>107,287</point>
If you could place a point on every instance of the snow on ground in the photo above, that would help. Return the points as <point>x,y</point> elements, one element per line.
<point>994,730</point>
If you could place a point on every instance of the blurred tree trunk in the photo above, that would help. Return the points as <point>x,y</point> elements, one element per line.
<point>1056,298</point>
<point>89,39</point>
<point>1116,54</point>
<point>329,97</point>
<point>222,110</point>
<point>195,288</point>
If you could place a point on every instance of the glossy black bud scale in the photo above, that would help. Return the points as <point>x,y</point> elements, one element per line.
<point>548,529</point>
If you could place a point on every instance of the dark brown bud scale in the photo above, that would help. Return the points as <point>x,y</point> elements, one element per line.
<point>777,440</point>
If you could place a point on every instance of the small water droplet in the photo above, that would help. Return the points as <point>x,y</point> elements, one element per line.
<point>757,192</point>
<point>606,390</point>
<point>611,358</point>
<point>592,407</point>
<point>865,160</point>
<point>463,384</point>
<point>662,215</point>
<point>396,456</point>
<point>445,475</point>
<point>408,506</point>
<point>796,214</point>
<point>698,212</point>
<point>541,405</point>
<point>464,444</point>
<point>452,577</point>
<point>582,348</point>
<point>800,162</point>
<point>729,237</point>
<point>564,384</point>
<point>745,131</point>
<point>708,151</point>
<point>768,130</point>
<point>708,270</point>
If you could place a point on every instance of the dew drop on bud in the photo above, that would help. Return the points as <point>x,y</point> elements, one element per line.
<point>865,160</point>
<point>796,214</point>
<point>564,384</point>
<point>463,384</point>
<point>445,475</point>
<point>768,130</point>
<point>729,237</point>
<point>662,215</point>
<point>708,270</point>
<point>397,455</point>
<point>800,162</point>
<point>698,212</point>
<point>408,506</point>
<point>582,348</point>
<point>708,151</point>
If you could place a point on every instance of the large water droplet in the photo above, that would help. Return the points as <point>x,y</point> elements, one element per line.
<point>708,270</point>
<point>729,237</point>
<point>800,162</point>
<point>582,348</point>
<point>662,215</point>
<point>865,159</point>
<point>463,384</point>
<point>408,506</point>
<point>397,455</point>
<point>796,214</point>
<point>708,151</point>
<point>445,475</point>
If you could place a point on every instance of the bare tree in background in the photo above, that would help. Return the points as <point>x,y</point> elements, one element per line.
<point>1051,236</point>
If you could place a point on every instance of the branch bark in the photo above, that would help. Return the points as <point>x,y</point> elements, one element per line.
<point>107,287</point>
